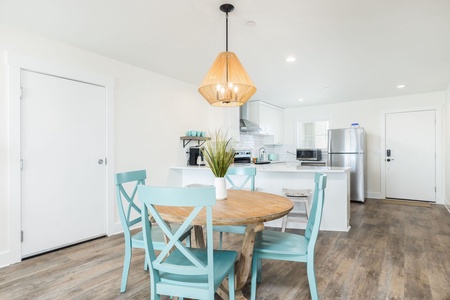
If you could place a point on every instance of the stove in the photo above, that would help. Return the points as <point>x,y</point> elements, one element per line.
<point>242,156</point>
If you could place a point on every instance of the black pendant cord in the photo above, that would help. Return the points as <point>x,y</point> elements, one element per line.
<point>226,33</point>
<point>226,8</point>
<point>226,44</point>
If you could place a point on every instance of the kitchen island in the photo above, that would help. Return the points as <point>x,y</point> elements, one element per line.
<point>272,178</point>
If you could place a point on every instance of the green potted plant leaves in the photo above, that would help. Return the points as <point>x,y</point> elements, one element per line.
<point>218,153</point>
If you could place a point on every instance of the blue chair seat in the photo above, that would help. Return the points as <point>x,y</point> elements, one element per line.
<point>221,267</point>
<point>281,243</point>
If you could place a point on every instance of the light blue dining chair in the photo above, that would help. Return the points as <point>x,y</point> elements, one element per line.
<point>130,215</point>
<point>278,245</point>
<point>238,177</point>
<point>179,270</point>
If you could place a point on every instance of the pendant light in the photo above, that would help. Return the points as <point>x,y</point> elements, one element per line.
<point>227,84</point>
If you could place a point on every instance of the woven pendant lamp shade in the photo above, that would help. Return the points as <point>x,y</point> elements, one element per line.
<point>227,83</point>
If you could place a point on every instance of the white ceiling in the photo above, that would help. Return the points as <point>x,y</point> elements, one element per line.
<point>346,50</point>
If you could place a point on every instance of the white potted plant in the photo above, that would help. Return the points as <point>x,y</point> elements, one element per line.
<point>218,153</point>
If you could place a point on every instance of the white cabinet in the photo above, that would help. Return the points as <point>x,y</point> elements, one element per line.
<point>268,117</point>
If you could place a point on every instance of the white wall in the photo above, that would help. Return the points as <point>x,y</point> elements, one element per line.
<point>151,112</point>
<point>369,114</point>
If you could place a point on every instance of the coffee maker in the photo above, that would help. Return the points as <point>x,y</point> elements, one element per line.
<point>196,157</point>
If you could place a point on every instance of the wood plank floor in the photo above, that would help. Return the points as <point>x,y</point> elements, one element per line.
<point>391,252</point>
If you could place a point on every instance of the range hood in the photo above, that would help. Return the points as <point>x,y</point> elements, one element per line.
<point>244,123</point>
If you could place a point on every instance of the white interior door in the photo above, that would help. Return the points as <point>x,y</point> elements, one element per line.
<point>63,137</point>
<point>410,156</point>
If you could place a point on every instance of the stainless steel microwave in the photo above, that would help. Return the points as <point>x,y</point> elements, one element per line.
<point>309,154</point>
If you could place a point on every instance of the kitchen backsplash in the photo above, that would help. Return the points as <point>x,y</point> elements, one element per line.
<point>286,152</point>
<point>255,141</point>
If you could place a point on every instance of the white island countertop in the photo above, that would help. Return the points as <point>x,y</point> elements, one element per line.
<point>272,178</point>
<point>277,167</point>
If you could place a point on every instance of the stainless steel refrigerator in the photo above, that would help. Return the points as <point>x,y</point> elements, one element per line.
<point>346,149</point>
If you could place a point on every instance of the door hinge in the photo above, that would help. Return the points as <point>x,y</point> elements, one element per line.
<point>21,236</point>
<point>21,164</point>
<point>106,161</point>
<point>21,93</point>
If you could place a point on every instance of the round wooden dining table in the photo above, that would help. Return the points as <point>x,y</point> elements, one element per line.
<point>249,208</point>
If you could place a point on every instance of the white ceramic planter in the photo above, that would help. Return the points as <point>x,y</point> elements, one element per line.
<point>221,188</point>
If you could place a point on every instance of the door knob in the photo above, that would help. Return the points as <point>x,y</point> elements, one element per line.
<point>100,161</point>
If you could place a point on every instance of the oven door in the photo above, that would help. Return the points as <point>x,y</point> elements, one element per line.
<point>242,160</point>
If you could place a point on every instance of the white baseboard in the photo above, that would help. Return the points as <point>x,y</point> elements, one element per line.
<point>7,258</point>
<point>374,195</point>
<point>117,228</point>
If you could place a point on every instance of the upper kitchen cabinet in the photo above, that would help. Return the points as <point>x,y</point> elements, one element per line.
<point>268,117</point>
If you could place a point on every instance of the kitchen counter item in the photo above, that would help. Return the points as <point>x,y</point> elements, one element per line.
<point>309,154</point>
<point>195,157</point>
<point>273,156</point>
<point>262,162</point>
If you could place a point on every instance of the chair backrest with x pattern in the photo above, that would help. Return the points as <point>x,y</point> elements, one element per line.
<point>125,200</point>
<point>249,172</point>
<point>197,200</point>
<point>315,217</point>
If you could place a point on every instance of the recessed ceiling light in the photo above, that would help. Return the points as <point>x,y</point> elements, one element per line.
<point>250,23</point>
<point>300,99</point>
<point>400,86</point>
<point>290,59</point>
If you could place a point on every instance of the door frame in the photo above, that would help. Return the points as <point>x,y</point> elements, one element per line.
<point>439,150</point>
<point>15,64</point>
